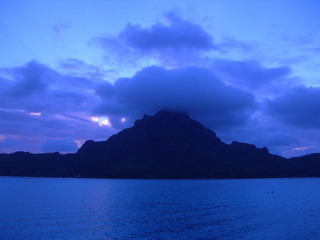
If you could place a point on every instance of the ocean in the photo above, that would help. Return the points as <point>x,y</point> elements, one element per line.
<point>99,209</point>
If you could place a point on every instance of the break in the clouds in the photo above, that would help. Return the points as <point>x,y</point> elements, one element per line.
<point>192,89</point>
<point>177,40</point>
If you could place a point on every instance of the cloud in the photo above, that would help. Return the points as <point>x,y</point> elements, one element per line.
<point>192,89</point>
<point>59,145</point>
<point>33,130</point>
<point>177,41</point>
<point>178,35</point>
<point>31,78</point>
<point>38,101</point>
<point>78,68</point>
<point>250,74</point>
<point>299,106</point>
<point>36,87</point>
<point>228,44</point>
<point>59,29</point>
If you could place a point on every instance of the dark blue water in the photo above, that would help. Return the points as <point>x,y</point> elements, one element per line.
<point>71,209</point>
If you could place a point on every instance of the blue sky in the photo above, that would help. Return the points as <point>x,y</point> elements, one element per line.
<point>77,70</point>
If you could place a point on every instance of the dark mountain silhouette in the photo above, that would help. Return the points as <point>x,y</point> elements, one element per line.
<point>166,145</point>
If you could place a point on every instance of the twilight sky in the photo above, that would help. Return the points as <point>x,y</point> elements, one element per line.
<point>77,70</point>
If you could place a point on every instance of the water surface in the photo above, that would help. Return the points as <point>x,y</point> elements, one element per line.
<point>72,209</point>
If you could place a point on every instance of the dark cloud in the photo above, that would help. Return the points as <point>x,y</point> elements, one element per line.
<point>178,35</point>
<point>59,145</point>
<point>36,87</point>
<point>39,101</point>
<point>31,78</point>
<point>250,73</point>
<point>179,40</point>
<point>299,106</point>
<point>194,90</point>
<point>105,90</point>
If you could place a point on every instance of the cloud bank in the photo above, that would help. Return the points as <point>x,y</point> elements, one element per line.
<point>192,89</point>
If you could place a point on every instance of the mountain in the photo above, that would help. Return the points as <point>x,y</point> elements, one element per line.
<point>166,145</point>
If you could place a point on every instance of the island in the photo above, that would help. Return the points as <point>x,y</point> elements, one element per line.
<point>167,145</point>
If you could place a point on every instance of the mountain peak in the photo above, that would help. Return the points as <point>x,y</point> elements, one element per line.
<point>163,116</point>
<point>168,144</point>
<point>170,113</point>
<point>173,125</point>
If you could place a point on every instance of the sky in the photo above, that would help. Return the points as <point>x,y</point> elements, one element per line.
<point>77,70</point>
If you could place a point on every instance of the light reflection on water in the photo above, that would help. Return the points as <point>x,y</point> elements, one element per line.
<point>71,209</point>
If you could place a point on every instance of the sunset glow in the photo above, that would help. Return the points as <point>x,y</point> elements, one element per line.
<point>102,121</point>
<point>35,113</point>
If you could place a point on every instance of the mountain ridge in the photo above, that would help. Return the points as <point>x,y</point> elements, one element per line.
<point>166,145</point>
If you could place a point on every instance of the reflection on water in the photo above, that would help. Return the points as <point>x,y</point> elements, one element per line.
<point>71,209</point>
